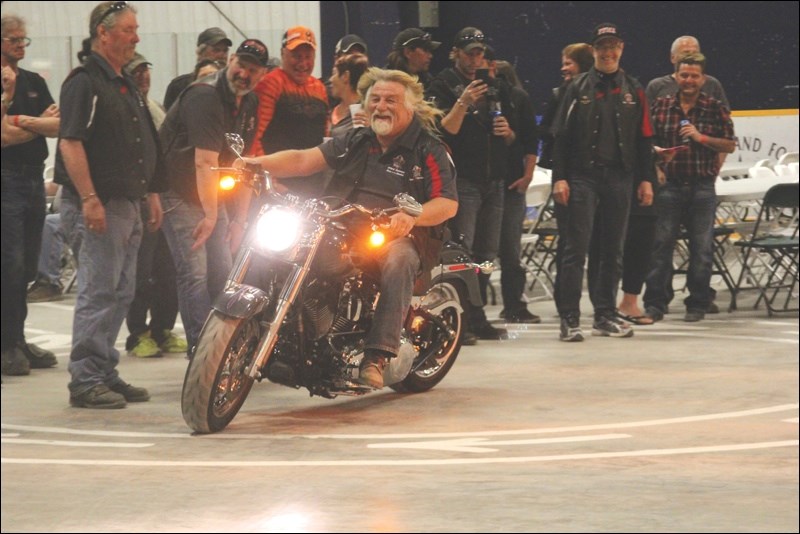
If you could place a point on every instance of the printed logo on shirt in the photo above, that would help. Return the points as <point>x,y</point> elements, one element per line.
<point>585,100</point>
<point>416,173</point>
<point>33,94</point>
<point>396,168</point>
<point>628,99</point>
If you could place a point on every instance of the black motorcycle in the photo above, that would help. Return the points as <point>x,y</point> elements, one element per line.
<point>291,315</point>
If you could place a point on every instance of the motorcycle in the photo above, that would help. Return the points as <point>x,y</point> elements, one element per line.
<point>291,315</point>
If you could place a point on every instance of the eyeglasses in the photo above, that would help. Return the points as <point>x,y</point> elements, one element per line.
<point>474,38</point>
<point>426,37</point>
<point>24,41</point>
<point>116,6</point>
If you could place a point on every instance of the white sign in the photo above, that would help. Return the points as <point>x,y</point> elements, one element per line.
<point>766,134</point>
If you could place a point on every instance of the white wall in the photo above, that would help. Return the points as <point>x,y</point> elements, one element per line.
<point>168,33</point>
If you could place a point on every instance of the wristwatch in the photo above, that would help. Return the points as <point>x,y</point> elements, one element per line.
<point>6,103</point>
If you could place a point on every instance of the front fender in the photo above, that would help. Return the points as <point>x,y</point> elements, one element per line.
<point>240,300</point>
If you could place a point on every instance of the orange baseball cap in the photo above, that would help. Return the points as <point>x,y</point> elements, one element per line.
<point>298,35</point>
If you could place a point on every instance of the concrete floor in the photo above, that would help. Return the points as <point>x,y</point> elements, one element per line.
<point>682,428</point>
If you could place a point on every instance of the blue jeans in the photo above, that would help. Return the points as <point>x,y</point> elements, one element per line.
<point>106,283</point>
<point>695,206</point>
<point>399,263</point>
<point>477,226</point>
<point>606,193</point>
<point>200,274</point>
<point>52,249</point>
<point>512,274</point>
<point>23,211</point>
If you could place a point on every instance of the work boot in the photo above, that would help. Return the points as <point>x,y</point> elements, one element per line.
<point>130,393</point>
<point>15,363</point>
<point>370,372</point>
<point>44,291</point>
<point>99,397</point>
<point>37,356</point>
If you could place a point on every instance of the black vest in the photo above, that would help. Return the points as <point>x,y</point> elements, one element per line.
<point>113,149</point>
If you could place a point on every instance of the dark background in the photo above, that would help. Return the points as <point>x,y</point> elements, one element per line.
<point>752,47</point>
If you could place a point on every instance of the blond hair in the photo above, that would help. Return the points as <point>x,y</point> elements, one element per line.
<point>426,112</point>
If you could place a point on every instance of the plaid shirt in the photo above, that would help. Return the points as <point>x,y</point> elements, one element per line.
<point>709,117</point>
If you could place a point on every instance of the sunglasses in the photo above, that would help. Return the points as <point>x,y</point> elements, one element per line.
<point>474,38</point>
<point>113,8</point>
<point>426,37</point>
<point>24,41</point>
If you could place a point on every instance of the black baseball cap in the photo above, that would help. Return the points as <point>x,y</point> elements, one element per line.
<point>469,38</point>
<point>347,42</point>
<point>212,36</point>
<point>255,51</point>
<point>415,38</point>
<point>605,30</point>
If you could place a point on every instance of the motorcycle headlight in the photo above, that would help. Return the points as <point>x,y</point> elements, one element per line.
<point>278,230</point>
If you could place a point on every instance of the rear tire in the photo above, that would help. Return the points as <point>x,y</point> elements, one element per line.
<point>216,384</point>
<point>437,366</point>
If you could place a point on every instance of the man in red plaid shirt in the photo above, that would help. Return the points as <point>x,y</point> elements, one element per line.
<point>691,128</point>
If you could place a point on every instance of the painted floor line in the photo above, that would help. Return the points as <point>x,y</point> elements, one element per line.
<point>479,445</point>
<point>57,443</point>
<point>428,435</point>
<point>405,463</point>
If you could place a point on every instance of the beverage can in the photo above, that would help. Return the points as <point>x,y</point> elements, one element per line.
<point>683,123</point>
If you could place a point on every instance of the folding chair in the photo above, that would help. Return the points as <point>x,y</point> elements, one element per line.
<point>769,258</point>
<point>539,245</point>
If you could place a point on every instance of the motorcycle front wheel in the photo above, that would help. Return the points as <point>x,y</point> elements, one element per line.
<point>425,376</point>
<point>216,383</point>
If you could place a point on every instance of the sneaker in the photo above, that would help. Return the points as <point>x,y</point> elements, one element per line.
<point>570,329</point>
<point>130,393</point>
<point>611,327</point>
<point>15,363</point>
<point>654,313</point>
<point>99,397</point>
<point>370,372</point>
<point>173,344</point>
<point>38,357</point>
<point>523,317</point>
<point>693,316</point>
<point>146,347</point>
<point>487,331</point>
<point>42,291</point>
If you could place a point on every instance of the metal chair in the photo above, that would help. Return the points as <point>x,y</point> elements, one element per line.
<point>769,258</point>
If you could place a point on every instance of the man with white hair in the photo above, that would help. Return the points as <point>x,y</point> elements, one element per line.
<point>398,152</point>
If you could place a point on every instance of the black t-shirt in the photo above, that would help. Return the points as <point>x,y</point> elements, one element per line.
<point>31,97</point>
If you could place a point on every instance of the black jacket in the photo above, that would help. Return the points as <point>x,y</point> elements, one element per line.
<point>576,128</point>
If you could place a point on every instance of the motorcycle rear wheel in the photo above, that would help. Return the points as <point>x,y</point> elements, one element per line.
<point>435,369</point>
<point>216,384</point>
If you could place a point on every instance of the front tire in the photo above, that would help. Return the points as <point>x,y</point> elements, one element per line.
<point>216,383</point>
<point>425,377</point>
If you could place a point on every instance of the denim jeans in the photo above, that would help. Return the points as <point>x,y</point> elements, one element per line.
<point>200,274</point>
<point>399,264</point>
<point>477,225</point>
<point>156,288</point>
<point>512,274</point>
<point>52,249</point>
<point>106,283</point>
<point>605,193</point>
<point>694,205</point>
<point>23,211</point>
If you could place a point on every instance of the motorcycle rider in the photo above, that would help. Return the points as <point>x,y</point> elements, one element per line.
<point>398,152</point>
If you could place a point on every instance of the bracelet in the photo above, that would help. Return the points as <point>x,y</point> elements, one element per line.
<point>16,121</point>
<point>7,103</point>
<point>461,103</point>
<point>87,197</point>
<point>703,139</point>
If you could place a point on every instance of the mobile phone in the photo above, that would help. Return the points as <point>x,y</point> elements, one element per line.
<point>482,74</point>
